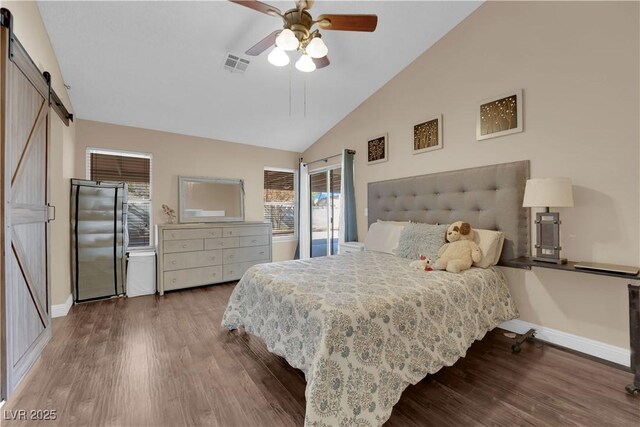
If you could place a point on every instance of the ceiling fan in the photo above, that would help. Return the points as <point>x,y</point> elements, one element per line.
<point>299,35</point>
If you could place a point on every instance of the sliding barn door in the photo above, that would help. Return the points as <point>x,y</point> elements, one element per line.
<point>25,231</point>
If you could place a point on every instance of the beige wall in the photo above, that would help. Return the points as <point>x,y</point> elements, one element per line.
<point>30,30</point>
<point>175,155</point>
<point>578,66</point>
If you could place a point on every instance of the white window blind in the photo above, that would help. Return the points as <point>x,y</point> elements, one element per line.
<point>135,170</point>
<point>280,201</point>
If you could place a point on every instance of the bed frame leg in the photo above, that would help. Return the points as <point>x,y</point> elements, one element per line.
<point>516,346</point>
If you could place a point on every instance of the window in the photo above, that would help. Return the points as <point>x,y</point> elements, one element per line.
<point>135,170</point>
<point>280,201</point>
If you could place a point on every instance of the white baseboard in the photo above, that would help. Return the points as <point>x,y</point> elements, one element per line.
<point>621,356</point>
<point>61,310</point>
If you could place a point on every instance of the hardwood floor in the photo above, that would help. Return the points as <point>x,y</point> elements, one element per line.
<point>166,362</point>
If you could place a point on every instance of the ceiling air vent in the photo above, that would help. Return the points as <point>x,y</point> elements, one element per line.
<point>235,64</point>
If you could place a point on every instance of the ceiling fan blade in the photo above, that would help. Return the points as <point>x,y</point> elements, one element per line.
<point>259,6</point>
<point>263,44</point>
<point>348,22</point>
<point>321,62</point>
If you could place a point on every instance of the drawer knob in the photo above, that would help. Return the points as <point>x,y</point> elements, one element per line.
<point>173,235</point>
<point>173,281</point>
<point>253,241</point>
<point>173,262</point>
<point>230,256</point>
<point>230,271</point>
<point>213,258</point>
<point>214,274</point>
<point>184,246</point>
<point>262,253</point>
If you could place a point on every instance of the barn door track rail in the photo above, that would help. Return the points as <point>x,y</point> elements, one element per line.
<point>41,80</point>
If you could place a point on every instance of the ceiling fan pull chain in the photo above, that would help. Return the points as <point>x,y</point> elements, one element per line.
<point>289,90</point>
<point>305,97</point>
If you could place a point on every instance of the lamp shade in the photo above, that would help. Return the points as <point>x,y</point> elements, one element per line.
<point>548,192</point>
<point>287,40</point>
<point>306,64</point>
<point>316,48</point>
<point>278,57</point>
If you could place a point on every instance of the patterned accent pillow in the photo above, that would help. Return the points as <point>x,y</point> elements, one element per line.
<point>421,239</point>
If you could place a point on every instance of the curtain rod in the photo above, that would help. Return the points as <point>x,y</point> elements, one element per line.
<point>326,159</point>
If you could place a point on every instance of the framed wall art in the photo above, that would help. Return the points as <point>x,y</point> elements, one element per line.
<point>378,149</point>
<point>499,116</point>
<point>427,135</point>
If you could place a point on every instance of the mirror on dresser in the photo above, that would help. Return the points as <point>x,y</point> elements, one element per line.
<point>204,199</point>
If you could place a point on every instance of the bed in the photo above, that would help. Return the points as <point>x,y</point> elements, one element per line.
<point>363,326</point>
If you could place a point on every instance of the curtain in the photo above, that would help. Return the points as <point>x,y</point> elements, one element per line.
<point>303,251</point>
<point>348,225</point>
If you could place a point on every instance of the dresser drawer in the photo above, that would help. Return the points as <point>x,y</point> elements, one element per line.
<point>225,242</point>
<point>245,231</point>
<point>179,261</point>
<point>183,245</point>
<point>254,240</point>
<point>195,233</point>
<point>192,277</point>
<point>255,253</point>
<point>235,271</point>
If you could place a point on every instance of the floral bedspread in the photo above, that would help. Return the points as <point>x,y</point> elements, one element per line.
<point>363,326</point>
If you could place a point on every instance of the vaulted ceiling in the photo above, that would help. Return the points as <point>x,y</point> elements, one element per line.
<point>159,65</point>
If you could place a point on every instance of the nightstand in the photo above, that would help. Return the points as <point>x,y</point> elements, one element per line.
<point>348,247</point>
<point>634,307</point>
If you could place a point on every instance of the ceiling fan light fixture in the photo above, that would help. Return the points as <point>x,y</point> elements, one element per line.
<point>278,57</point>
<point>305,64</point>
<point>287,40</point>
<point>316,48</point>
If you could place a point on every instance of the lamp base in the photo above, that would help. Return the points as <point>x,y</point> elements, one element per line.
<point>550,260</point>
<point>548,238</point>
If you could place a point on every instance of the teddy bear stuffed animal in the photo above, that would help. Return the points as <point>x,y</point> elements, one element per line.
<point>424,263</point>
<point>460,251</point>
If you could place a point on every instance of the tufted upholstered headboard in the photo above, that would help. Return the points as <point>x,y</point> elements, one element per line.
<point>488,197</point>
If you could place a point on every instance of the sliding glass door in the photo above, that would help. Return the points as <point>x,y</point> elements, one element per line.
<point>325,211</point>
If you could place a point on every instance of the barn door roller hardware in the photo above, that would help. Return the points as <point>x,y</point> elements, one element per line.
<point>41,80</point>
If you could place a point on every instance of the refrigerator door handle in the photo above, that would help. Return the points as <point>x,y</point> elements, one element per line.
<point>49,217</point>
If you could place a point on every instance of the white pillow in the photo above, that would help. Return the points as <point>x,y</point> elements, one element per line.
<point>383,237</point>
<point>394,222</point>
<point>490,243</point>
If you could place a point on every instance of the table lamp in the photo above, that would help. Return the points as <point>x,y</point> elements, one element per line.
<point>545,193</point>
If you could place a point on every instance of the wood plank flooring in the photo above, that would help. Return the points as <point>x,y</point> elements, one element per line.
<point>166,362</point>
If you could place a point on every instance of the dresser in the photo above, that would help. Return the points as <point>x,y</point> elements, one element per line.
<point>201,254</point>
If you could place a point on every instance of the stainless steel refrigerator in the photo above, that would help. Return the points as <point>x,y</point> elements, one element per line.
<point>98,239</point>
